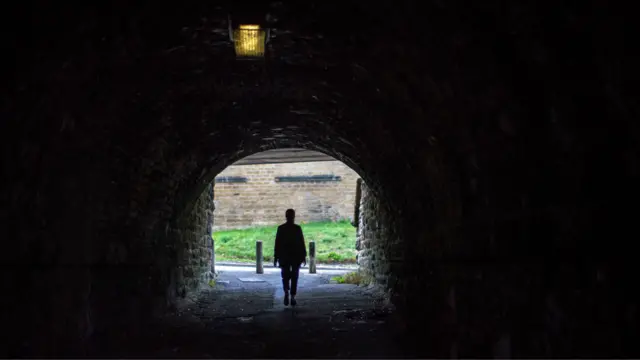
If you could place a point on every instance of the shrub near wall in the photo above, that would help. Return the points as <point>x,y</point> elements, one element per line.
<point>253,195</point>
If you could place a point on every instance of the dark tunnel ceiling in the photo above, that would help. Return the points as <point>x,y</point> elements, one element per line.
<point>296,34</point>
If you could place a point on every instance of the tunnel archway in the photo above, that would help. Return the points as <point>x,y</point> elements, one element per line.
<point>485,130</point>
<point>195,193</point>
<point>175,237</point>
<point>289,136</point>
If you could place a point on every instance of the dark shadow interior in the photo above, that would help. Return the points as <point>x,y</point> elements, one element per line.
<point>498,141</point>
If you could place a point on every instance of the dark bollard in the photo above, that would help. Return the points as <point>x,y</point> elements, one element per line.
<point>259,266</point>
<point>312,257</point>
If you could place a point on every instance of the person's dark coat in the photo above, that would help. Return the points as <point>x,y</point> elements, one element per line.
<point>290,247</point>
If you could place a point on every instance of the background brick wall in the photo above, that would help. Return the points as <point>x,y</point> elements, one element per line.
<point>262,200</point>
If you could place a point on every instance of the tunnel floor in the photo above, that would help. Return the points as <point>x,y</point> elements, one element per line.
<point>243,316</point>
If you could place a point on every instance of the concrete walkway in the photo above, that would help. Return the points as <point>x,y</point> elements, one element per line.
<point>243,316</point>
<point>349,267</point>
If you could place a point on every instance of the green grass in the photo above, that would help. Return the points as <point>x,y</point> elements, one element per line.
<point>350,278</point>
<point>335,242</point>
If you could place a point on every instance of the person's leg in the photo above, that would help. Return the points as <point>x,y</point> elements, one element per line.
<point>285,270</point>
<point>295,272</point>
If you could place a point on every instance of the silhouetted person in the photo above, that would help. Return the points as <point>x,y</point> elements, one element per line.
<point>290,252</point>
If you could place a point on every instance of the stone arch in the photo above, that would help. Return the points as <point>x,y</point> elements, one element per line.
<point>193,182</point>
<point>208,171</point>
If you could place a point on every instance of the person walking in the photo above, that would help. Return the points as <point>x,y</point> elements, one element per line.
<point>290,252</point>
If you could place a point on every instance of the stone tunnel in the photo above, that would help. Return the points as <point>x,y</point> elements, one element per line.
<point>496,141</point>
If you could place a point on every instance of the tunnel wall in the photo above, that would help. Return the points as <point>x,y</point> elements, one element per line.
<point>191,242</point>
<point>151,272</point>
<point>374,239</point>
<point>78,286</point>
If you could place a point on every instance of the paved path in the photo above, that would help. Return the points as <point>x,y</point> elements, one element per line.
<point>243,316</point>
<point>349,267</point>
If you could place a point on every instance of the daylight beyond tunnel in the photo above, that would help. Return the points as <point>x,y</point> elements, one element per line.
<point>497,146</point>
<point>256,190</point>
<point>251,197</point>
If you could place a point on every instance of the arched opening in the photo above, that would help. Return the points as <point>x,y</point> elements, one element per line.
<point>239,301</point>
<point>251,196</point>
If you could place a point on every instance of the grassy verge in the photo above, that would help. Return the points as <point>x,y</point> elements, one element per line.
<point>335,242</point>
<point>350,278</point>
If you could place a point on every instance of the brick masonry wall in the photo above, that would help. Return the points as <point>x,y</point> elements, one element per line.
<point>262,200</point>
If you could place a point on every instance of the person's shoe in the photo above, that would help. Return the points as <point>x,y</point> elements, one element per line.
<point>293,300</point>
<point>286,299</point>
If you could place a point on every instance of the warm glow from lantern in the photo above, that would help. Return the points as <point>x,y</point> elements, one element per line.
<point>249,41</point>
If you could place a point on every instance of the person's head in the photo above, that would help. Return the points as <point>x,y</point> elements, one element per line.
<point>290,214</point>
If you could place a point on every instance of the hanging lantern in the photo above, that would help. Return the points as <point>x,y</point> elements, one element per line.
<point>249,40</point>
